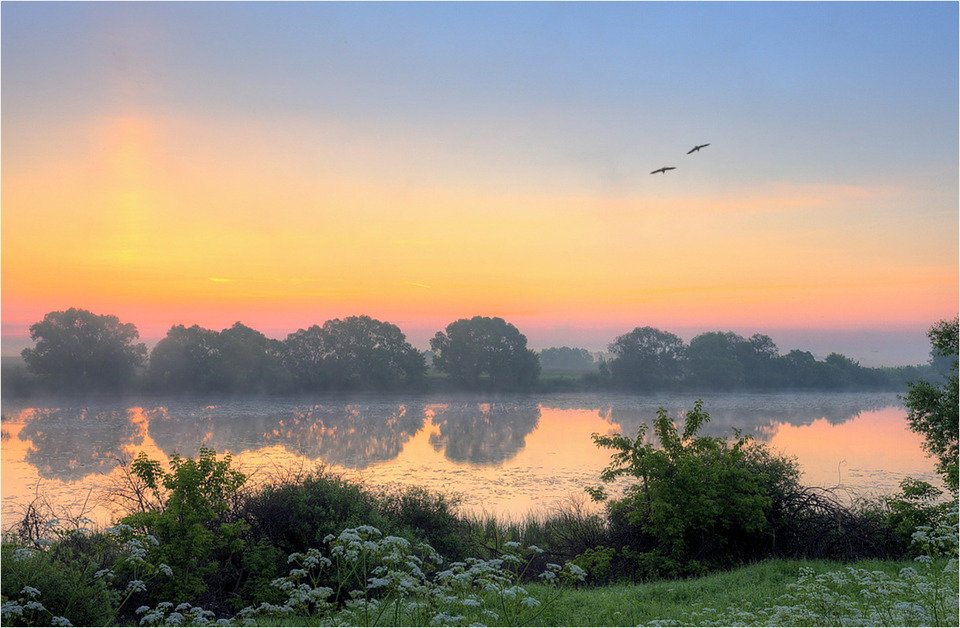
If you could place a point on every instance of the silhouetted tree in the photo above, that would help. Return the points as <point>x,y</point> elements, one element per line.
<point>646,359</point>
<point>244,360</point>
<point>482,346</point>
<point>802,370</point>
<point>355,352</point>
<point>934,406</point>
<point>184,360</point>
<point>79,350</point>
<point>567,359</point>
<point>712,360</point>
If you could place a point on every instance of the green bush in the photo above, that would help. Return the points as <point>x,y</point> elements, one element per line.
<point>418,514</point>
<point>64,586</point>
<point>699,503</point>
<point>198,536</point>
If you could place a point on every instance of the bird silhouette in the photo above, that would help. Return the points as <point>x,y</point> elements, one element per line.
<point>664,169</point>
<point>697,147</point>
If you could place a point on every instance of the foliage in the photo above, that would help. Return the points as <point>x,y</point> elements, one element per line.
<point>924,594</point>
<point>386,580</point>
<point>646,359</point>
<point>712,361</point>
<point>79,350</point>
<point>472,349</point>
<point>197,537</point>
<point>245,360</point>
<point>917,504</point>
<point>50,585</point>
<point>184,360</point>
<point>567,359</point>
<point>934,407</point>
<point>357,352</point>
<point>700,502</point>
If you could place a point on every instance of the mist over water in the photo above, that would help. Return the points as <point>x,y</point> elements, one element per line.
<point>503,454</point>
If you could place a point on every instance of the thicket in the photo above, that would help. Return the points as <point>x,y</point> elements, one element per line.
<point>78,351</point>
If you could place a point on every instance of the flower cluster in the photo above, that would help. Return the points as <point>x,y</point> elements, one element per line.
<point>922,595</point>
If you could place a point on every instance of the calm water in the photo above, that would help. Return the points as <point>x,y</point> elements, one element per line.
<point>507,455</point>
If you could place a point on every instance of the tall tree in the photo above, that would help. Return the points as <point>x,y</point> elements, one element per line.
<point>245,360</point>
<point>646,359</point>
<point>184,360</point>
<point>933,406</point>
<point>78,350</point>
<point>483,347</point>
<point>713,360</point>
<point>355,352</point>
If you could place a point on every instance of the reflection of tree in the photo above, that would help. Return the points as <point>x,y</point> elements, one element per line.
<point>483,433</point>
<point>70,443</point>
<point>352,435</point>
<point>756,414</point>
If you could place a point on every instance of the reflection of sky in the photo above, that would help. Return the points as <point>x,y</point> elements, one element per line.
<point>508,456</point>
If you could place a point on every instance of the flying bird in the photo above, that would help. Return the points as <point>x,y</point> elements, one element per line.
<point>697,147</point>
<point>664,169</point>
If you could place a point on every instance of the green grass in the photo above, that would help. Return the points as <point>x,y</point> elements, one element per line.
<point>760,584</point>
<point>631,604</point>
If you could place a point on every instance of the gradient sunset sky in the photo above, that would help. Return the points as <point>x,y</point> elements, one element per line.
<point>283,164</point>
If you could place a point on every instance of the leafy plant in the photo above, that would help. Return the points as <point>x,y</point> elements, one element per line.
<point>934,407</point>
<point>197,537</point>
<point>699,502</point>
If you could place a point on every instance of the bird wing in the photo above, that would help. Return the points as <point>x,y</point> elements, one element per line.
<point>695,148</point>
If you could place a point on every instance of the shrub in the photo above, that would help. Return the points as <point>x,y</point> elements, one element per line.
<point>39,587</point>
<point>197,534</point>
<point>700,502</point>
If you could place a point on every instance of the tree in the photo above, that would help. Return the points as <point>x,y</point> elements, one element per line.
<point>713,360</point>
<point>933,406</point>
<point>79,350</point>
<point>355,352</point>
<point>184,360</point>
<point>244,360</point>
<point>646,359</point>
<point>482,347</point>
<point>567,359</point>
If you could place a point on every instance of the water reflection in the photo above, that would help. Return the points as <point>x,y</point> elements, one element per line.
<point>483,433</point>
<point>70,443</point>
<point>350,435</point>
<point>760,415</point>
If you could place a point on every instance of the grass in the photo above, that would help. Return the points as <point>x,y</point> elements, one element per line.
<point>632,604</point>
<point>759,584</point>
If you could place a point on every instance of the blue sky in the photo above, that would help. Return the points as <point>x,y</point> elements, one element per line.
<point>834,124</point>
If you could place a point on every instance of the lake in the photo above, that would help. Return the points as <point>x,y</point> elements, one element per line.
<point>500,454</point>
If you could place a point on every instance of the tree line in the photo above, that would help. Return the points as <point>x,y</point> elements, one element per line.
<point>78,351</point>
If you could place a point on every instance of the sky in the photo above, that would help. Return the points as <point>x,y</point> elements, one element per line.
<point>282,164</point>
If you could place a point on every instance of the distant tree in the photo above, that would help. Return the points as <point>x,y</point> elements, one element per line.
<point>184,360</point>
<point>646,359</point>
<point>79,350</point>
<point>933,406</point>
<point>852,374</point>
<point>567,359</point>
<point>758,356</point>
<point>355,352</point>
<point>244,360</point>
<point>479,347</point>
<point>801,370</point>
<point>712,360</point>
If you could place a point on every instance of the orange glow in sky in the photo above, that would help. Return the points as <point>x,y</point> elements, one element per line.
<point>289,163</point>
<point>163,221</point>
